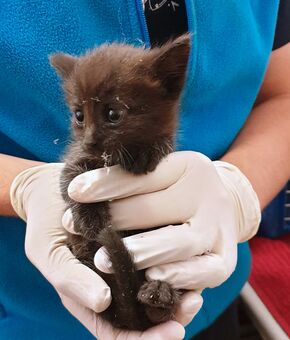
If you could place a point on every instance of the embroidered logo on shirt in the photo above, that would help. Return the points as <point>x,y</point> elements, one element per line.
<point>154,5</point>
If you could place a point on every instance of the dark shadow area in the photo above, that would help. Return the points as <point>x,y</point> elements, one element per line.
<point>282,34</point>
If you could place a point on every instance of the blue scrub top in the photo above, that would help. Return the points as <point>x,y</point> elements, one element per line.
<point>232,42</point>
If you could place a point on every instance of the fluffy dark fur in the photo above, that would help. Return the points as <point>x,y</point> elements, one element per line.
<point>124,102</point>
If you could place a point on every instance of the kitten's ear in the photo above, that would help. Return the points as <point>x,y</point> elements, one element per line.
<point>63,63</point>
<point>170,63</point>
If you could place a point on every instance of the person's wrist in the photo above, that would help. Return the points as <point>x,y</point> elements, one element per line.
<point>246,200</point>
<point>23,181</point>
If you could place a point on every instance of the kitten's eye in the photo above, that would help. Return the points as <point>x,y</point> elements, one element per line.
<point>115,116</point>
<point>79,116</point>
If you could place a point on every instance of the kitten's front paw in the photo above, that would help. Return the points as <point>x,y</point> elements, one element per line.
<point>90,219</point>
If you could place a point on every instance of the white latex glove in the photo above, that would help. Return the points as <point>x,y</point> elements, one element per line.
<point>36,198</point>
<point>213,204</point>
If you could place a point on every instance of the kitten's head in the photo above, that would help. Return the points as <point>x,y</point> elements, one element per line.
<point>124,99</point>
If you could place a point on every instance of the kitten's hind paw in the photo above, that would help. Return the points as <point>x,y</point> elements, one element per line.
<point>161,300</point>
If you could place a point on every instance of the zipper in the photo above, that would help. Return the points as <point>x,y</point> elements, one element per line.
<point>144,28</point>
<point>191,22</point>
<point>192,28</point>
<point>190,12</point>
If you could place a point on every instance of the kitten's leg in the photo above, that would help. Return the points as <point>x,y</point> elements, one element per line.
<point>160,300</point>
<point>90,219</point>
<point>83,249</point>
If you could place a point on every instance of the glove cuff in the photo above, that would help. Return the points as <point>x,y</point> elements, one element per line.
<point>18,189</point>
<point>247,202</point>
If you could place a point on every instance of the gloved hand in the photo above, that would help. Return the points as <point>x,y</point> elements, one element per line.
<point>212,203</point>
<point>36,198</point>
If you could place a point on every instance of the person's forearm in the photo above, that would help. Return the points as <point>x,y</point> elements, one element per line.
<point>10,167</point>
<point>262,149</point>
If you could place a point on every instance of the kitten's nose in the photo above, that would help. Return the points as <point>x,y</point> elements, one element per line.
<point>90,137</point>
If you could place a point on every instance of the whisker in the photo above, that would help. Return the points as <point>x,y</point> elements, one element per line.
<point>120,158</point>
<point>127,152</point>
<point>127,155</point>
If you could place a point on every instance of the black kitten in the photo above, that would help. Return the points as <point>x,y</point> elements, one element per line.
<point>124,102</point>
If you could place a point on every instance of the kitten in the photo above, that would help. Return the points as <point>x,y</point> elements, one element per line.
<point>124,102</point>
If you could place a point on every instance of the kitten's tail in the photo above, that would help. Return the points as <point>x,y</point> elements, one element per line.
<point>125,275</point>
